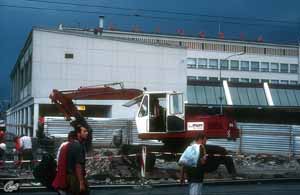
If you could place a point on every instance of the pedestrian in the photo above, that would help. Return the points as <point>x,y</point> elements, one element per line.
<point>218,155</point>
<point>71,138</point>
<point>2,151</point>
<point>76,181</point>
<point>2,135</point>
<point>17,149</point>
<point>195,174</point>
<point>60,181</point>
<point>2,146</point>
<point>26,150</point>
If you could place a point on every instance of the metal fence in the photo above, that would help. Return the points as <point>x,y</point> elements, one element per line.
<point>265,138</point>
<point>103,130</point>
<point>255,138</point>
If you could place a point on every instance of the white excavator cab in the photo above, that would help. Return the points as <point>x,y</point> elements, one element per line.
<point>160,112</point>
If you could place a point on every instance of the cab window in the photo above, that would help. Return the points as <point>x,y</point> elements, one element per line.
<point>176,104</point>
<point>144,107</point>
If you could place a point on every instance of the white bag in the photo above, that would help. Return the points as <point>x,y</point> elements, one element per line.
<point>190,156</point>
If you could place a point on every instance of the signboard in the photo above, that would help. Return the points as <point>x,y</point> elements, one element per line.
<point>195,126</point>
<point>81,107</point>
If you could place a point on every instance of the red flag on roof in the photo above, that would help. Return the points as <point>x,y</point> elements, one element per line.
<point>260,39</point>
<point>180,31</point>
<point>221,35</point>
<point>202,34</point>
<point>242,36</point>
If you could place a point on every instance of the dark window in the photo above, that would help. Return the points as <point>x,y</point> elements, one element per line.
<point>213,64</point>
<point>234,80</point>
<point>284,68</point>
<point>285,82</point>
<point>202,78</point>
<point>202,63</point>
<point>224,64</point>
<point>274,67</point>
<point>69,55</point>
<point>244,80</point>
<point>234,65</point>
<point>245,65</point>
<point>213,78</point>
<point>254,66</point>
<point>264,67</point>
<point>293,68</point>
<point>191,63</point>
<point>254,80</point>
<point>191,78</point>
<point>265,81</point>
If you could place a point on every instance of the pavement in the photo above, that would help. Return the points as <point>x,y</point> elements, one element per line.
<point>259,187</point>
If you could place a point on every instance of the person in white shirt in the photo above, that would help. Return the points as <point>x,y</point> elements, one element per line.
<point>26,151</point>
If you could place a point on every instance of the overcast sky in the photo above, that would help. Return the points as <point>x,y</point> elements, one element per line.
<point>277,21</point>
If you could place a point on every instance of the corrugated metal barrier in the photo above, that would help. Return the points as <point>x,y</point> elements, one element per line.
<point>265,138</point>
<point>103,130</point>
<point>255,138</point>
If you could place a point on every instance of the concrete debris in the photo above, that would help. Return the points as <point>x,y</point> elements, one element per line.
<point>105,168</point>
<point>249,166</point>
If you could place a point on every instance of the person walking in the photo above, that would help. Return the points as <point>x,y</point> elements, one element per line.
<point>26,151</point>
<point>60,181</point>
<point>195,175</point>
<point>76,181</point>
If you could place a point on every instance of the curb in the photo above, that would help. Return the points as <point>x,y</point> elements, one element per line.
<point>143,186</point>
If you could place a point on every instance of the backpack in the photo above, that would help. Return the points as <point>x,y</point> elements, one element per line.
<point>45,171</point>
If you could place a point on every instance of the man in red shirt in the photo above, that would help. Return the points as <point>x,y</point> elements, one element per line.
<point>60,181</point>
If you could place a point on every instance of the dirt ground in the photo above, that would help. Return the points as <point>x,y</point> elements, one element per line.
<point>248,166</point>
<point>104,168</point>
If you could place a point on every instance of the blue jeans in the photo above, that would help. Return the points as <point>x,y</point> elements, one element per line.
<point>195,188</point>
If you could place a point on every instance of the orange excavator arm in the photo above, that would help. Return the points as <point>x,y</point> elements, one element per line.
<point>64,99</point>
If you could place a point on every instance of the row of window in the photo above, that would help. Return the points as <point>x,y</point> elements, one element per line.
<point>244,80</point>
<point>204,63</point>
<point>22,74</point>
<point>211,46</point>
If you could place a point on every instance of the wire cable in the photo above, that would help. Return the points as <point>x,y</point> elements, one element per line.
<point>166,12</point>
<point>141,16</point>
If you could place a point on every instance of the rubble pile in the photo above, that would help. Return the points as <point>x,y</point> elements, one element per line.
<point>125,170</point>
<point>264,166</point>
<point>104,167</point>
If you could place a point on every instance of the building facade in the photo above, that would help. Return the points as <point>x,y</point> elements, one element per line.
<point>68,58</point>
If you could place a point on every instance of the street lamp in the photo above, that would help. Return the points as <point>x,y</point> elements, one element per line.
<point>220,77</point>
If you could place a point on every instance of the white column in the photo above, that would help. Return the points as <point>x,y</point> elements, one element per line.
<point>21,121</point>
<point>35,118</point>
<point>10,122</point>
<point>15,122</point>
<point>268,94</point>
<point>18,122</point>
<point>24,121</point>
<point>227,93</point>
<point>29,119</point>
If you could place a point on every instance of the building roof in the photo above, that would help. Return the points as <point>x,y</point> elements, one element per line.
<point>118,33</point>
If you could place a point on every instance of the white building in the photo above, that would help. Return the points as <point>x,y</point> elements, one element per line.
<point>67,58</point>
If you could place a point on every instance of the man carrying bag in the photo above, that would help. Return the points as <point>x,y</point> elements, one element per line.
<point>192,161</point>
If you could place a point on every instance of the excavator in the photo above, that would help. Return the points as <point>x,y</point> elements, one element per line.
<point>160,116</point>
